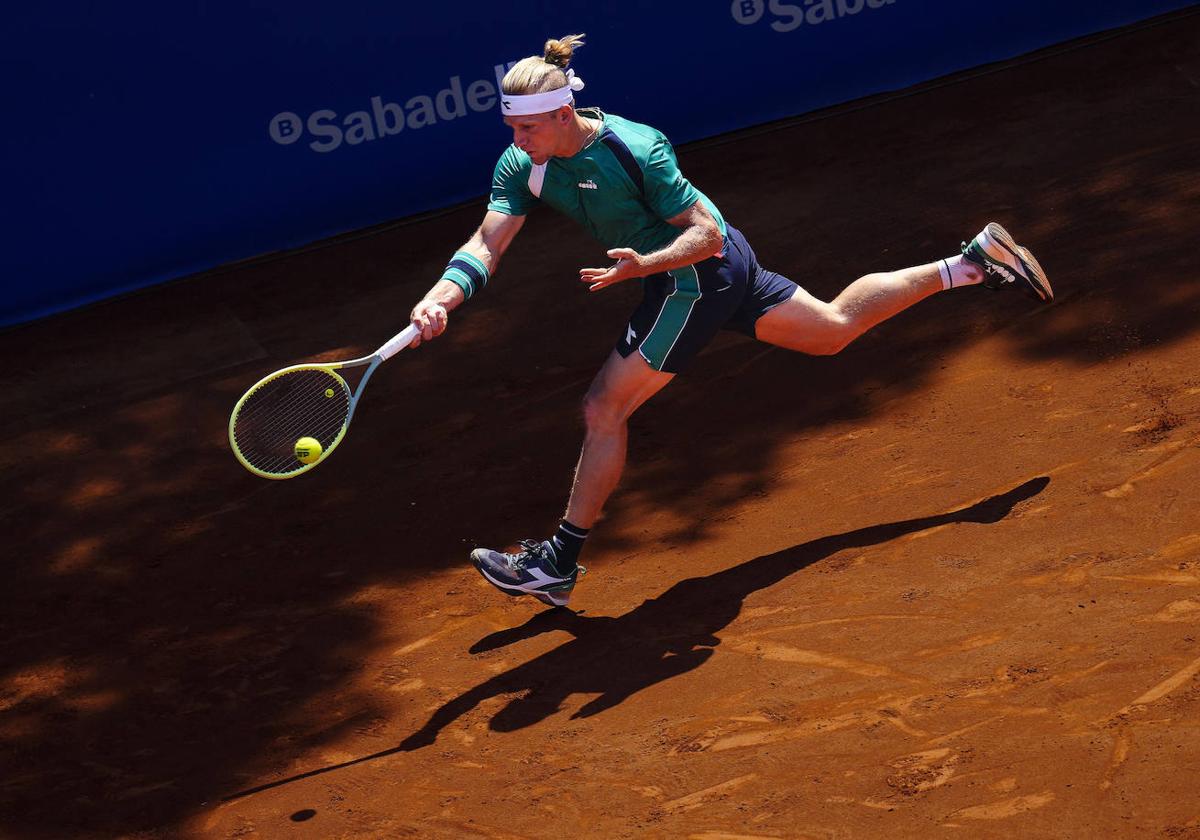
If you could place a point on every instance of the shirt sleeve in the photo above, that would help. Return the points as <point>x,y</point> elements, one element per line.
<point>667,192</point>
<point>510,185</point>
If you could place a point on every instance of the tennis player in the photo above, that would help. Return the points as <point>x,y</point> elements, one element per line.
<point>620,180</point>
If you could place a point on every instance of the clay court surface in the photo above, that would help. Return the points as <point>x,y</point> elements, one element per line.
<point>946,583</point>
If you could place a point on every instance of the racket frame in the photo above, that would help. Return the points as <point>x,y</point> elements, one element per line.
<point>388,349</point>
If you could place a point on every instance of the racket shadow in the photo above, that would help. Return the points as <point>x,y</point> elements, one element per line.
<point>662,638</point>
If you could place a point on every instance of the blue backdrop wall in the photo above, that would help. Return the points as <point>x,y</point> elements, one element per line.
<point>146,142</point>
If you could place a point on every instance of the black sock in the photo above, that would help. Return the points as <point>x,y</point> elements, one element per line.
<point>567,542</point>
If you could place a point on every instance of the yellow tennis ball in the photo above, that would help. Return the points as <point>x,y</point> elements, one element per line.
<point>308,450</point>
<point>328,392</point>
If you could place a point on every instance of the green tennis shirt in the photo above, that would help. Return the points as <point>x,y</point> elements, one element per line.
<point>622,186</point>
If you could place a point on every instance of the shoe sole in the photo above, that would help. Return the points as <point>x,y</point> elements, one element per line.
<point>512,592</point>
<point>1039,283</point>
<point>546,598</point>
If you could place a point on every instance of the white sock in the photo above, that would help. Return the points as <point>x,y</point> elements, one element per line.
<point>957,271</point>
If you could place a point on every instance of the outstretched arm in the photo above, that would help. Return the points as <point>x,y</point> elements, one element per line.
<point>699,239</point>
<point>487,245</point>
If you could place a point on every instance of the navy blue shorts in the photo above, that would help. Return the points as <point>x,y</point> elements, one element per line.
<point>683,309</point>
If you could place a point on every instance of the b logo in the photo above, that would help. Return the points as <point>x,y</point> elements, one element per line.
<point>285,128</point>
<point>747,12</point>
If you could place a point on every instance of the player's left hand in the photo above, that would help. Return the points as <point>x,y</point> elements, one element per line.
<point>628,266</point>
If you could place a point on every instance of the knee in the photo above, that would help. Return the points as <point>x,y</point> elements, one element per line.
<point>600,414</point>
<point>837,331</point>
<point>827,347</point>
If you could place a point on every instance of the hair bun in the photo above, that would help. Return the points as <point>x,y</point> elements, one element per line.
<point>559,51</point>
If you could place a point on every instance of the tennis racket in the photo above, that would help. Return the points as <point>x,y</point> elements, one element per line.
<point>297,402</point>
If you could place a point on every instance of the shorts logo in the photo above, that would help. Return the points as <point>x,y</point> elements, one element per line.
<point>589,184</point>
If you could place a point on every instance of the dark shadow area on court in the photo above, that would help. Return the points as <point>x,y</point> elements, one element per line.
<point>665,637</point>
<point>172,627</point>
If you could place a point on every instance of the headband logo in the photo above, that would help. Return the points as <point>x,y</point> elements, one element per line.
<point>507,103</point>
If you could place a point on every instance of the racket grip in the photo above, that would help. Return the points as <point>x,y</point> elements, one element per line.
<point>398,342</point>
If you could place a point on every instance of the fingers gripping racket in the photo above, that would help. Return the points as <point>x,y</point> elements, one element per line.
<point>272,422</point>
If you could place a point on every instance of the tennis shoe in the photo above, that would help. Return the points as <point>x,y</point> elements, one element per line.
<point>1005,263</point>
<point>530,571</point>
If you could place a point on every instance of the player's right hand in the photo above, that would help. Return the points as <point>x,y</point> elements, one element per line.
<point>431,318</point>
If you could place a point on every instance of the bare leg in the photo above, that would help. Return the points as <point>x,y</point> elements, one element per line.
<point>620,387</point>
<point>813,326</point>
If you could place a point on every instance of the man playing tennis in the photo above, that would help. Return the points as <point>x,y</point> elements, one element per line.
<point>620,180</point>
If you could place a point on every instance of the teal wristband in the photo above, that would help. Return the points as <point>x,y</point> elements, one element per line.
<point>467,272</point>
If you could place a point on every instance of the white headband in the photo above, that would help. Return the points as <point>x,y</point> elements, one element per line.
<point>541,103</point>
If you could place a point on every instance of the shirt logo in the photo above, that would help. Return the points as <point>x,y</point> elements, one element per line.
<point>589,184</point>
<point>630,335</point>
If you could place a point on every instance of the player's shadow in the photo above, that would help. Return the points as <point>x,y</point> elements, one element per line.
<point>663,638</point>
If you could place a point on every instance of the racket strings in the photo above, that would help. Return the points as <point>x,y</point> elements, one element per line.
<point>301,403</point>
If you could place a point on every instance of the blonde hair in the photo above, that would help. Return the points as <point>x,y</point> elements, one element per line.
<point>540,74</point>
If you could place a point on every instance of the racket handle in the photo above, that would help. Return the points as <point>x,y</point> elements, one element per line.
<point>398,342</point>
